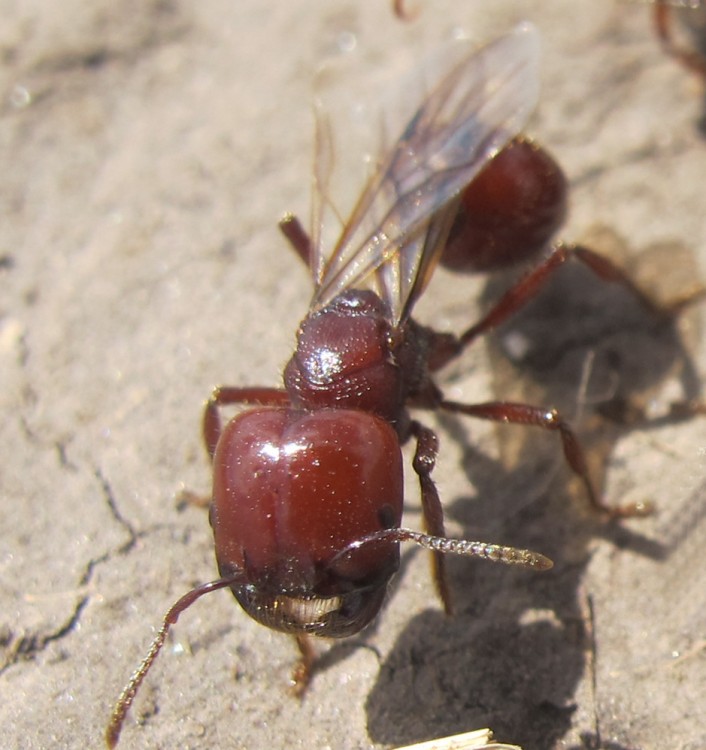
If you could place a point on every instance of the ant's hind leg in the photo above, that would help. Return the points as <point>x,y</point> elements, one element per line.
<point>528,287</point>
<point>548,419</point>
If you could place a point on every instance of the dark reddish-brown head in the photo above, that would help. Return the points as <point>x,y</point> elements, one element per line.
<point>292,490</point>
<point>509,212</point>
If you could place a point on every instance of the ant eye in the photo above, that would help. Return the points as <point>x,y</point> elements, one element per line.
<point>387,516</point>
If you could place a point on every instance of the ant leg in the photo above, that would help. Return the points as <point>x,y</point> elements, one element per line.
<point>529,286</point>
<point>527,289</point>
<point>211,425</point>
<point>423,464</point>
<point>548,419</point>
<point>292,229</point>
<point>687,409</point>
<point>663,28</point>
<point>301,676</point>
<point>402,12</point>
<point>227,395</point>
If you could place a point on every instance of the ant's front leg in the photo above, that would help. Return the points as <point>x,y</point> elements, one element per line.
<point>301,674</point>
<point>548,419</point>
<point>423,464</point>
<point>292,229</point>
<point>211,426</point>
<point>227,396</point>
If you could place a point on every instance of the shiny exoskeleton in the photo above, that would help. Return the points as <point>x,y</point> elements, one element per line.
<point>307,496</point>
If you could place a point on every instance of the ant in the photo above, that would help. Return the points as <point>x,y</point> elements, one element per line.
<point>307,496</point>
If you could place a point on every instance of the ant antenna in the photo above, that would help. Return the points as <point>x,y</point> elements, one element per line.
<point>494,552</point>
<point>112,733</point>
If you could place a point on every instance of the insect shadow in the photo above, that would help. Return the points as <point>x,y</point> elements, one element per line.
<point>516,652</point>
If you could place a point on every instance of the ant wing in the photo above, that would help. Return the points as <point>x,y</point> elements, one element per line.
<point>397,227</point>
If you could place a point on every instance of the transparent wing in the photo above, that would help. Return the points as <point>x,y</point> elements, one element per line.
<point>391,237</point>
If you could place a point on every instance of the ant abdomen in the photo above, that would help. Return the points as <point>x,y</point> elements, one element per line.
<point>509,212</point>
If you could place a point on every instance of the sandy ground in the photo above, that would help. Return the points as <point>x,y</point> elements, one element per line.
<point>149,148</point>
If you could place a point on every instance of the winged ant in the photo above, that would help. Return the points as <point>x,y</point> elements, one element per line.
<point>307,484</point>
